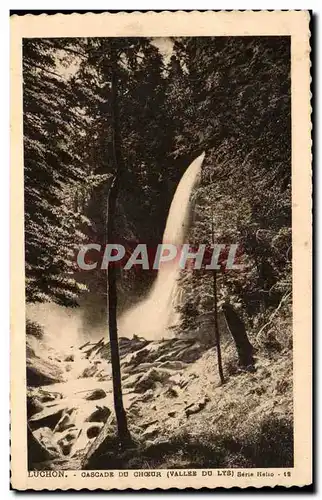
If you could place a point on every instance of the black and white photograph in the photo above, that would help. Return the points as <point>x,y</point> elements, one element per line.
<point>158,262</point>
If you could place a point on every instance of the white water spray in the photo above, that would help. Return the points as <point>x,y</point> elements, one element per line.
<point>153,317</point>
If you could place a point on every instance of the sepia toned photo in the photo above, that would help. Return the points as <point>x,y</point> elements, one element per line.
<point>161,247</point>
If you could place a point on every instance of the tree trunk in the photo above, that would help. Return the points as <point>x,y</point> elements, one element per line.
<point>238,331</point>
<point>120,414</point>
<point>217,332</point>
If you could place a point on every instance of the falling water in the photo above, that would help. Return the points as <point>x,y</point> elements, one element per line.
<point>154,317</point>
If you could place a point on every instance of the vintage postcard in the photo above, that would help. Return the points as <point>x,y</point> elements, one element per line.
<point>161,250</point>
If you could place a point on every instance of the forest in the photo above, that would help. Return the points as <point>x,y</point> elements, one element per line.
<point>127,116</point>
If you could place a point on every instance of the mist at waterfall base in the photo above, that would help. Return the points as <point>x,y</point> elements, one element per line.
<point>155,315</point>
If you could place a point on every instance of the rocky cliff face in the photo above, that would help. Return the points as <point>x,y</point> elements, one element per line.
<point>179,415</point>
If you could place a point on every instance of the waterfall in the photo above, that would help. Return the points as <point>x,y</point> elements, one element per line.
<point>151,318</point>
<point>154,316</point>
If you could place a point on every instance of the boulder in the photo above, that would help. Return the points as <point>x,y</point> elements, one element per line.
<point>33,406</point>
<point>90,371</point>
<point>131,345</point>
<point>49,417</point>
<point>37,452</point>
<point>42,372</point>
<point>46,397</point>
<point>93,431</point>
<point>150,379</point>
<point>101,414</point>
<point>191,353</point>
<point>95,394</point>
<point>104,442</point>
<point>46,437</point>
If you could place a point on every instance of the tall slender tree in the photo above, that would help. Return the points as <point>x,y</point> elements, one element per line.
<point>121,419</point>
<point>216,323</point>
<point>125,77</point>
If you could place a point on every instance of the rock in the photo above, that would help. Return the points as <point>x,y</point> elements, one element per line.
<point>171,393</point>
<point>34,329</point>
<point>93,431</point>
<point>69,358</point>
<point>191,354</point>
<point>46,437</point>
<point>67,440</point>
<point>95,394</point>
<point>147,396</point>
<point>30,353</point>
<point>94,349</point>
<point>132,380</point>
<point>185,381</point>
<point>33,406</point>
<point>104,442</point>
<point>173,348</point>
<point>41,372</point>
<point>269,342</point>
<point>196,407</point>
<point>174,365</point>
<point>101,414</point>
<point>149,380</point>
<point>103,376</point>
<point>147,354</point>
<point>66,448</point>
<point>68,435</point>
<point>49,417</point>
<point>37,452</point>
<point>172,413</point>
<point>90,371</point>
<point>66,422</point>
<point>151,432</point>
<point>131,345</point>
<point>142,367</point>
<point>104,352</point>
<point>45,396</point>
<point>145,425</point>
